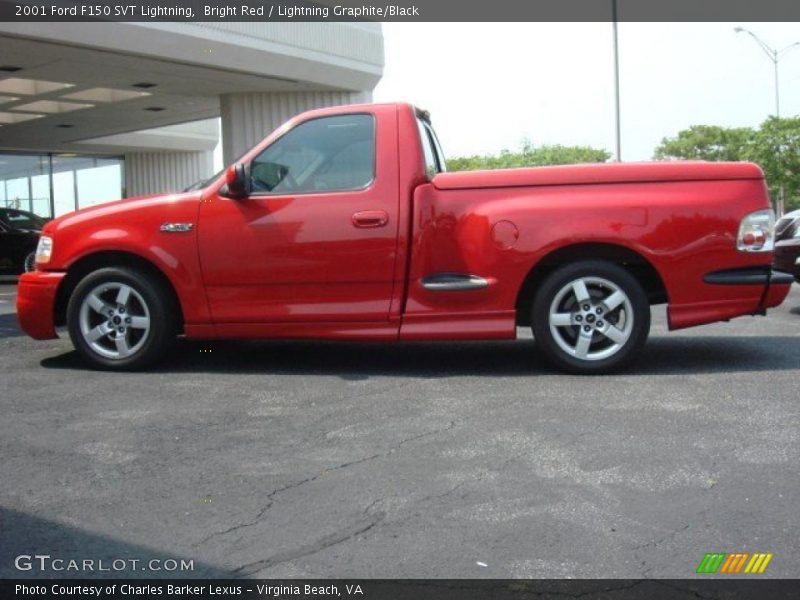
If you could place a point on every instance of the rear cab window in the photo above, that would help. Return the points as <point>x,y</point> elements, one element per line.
<point>431,150</point>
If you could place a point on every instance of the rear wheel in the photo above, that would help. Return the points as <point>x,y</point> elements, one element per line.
<point>590,317</point>
<point>119,318</point>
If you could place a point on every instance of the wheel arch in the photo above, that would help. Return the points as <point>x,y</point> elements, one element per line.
<point>636,264</point>
<point>103,259</point>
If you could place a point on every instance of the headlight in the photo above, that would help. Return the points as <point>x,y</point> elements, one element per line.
<point>756,232</point>
<point>44,250</point>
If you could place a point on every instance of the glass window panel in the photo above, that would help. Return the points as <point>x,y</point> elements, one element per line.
<point>40,195</point>
<point>18,193</point>
<point>20,174</point>
<point>25,181</point>
<point>64,192</point>
<point>99,184</point>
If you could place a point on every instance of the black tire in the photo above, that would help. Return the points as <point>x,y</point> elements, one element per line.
<point>150,298</point>
<point>600,354</point>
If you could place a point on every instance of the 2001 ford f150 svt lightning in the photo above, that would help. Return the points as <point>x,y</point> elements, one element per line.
<point>343,224</point>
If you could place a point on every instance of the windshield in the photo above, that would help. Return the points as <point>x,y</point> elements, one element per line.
<point>203,183</point>
<point>20,219</point>
<point>199,185</point>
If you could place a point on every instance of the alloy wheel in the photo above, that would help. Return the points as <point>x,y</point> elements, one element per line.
<point>591,318</point>
<point>114,320</point>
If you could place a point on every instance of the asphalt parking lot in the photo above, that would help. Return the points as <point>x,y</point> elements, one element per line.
<point>300,459</point>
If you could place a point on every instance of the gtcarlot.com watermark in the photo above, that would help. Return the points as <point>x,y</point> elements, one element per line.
<point>45,563</point>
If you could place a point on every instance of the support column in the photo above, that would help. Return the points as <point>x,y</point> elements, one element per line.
<point>249,118</point>
<point>160,172</point>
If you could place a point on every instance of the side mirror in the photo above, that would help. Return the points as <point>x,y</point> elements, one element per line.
<point>236,182</point>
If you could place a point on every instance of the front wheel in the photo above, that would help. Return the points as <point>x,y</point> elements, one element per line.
<point>119,318</point>
<point>590,317</point>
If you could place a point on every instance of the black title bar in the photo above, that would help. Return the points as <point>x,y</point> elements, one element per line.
<point>412,589</point>
<point>399,10</point>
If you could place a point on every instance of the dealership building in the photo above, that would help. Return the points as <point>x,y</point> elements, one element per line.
<point>91,112</point>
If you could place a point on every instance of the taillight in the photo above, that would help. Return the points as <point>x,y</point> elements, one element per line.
<point>757,232</point>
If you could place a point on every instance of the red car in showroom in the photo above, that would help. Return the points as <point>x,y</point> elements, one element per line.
<point>343,224</point>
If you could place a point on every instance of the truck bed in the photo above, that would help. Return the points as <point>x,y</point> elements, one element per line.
<point>598,173</point>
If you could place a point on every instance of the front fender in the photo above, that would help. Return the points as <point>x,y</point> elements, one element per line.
<point>134,228</point>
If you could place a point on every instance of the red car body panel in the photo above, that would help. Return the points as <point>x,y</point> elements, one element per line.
<point>301,266</point>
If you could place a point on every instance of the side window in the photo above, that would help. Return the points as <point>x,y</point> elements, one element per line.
<point>322,155</point>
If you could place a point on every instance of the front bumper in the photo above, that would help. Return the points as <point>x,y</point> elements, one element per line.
<point>36,299</point>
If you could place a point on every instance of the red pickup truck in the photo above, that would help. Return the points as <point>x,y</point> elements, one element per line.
<point>343,224</point>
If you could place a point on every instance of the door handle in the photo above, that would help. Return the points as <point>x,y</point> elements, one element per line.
<point>370,218</point>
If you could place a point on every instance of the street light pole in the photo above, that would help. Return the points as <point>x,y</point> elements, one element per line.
<point>777,89</point>
<point>618,137</point>
<point>774,55</point>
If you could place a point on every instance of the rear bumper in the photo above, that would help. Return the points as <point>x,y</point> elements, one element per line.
<point>36,298</point>
<point>749,276</point>
<point>752,291</point>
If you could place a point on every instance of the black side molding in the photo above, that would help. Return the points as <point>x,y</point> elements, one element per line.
<point>748,276</point>
<point>781,277</point>
<point>453,282</point>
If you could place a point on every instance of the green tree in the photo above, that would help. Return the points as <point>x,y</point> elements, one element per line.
<point>774,146</point>
<point>708,142</point>
<point>777,151</point>
<point>529,155</point>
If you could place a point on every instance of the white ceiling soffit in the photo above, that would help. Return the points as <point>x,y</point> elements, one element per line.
<point>194,136</point>
<point>9,118</point>
<point>30,87</point>
<point>50,106</point>
<point>101,94</point>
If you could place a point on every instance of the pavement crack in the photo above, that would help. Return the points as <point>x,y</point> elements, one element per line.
<point>271,496</point>
<point>669,536</point>
<point>338,537</point>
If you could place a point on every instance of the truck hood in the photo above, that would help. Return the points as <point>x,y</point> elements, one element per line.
<point>116,207</point>
<point>598,173</point>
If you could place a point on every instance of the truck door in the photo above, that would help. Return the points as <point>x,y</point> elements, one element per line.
<point>316,240</point>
